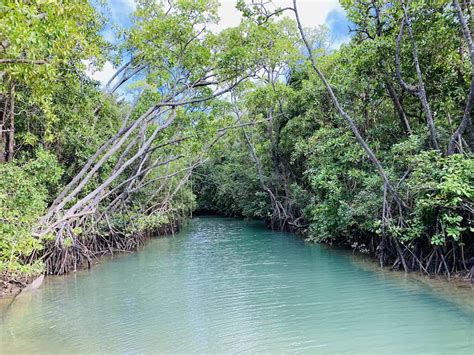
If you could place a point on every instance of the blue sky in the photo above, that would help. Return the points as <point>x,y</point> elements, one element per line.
<point>338,24</point>
<point>312,12</point>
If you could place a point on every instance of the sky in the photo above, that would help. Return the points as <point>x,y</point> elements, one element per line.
<point>312,12</point>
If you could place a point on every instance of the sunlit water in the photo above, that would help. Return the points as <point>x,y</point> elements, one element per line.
<point>227,286</point>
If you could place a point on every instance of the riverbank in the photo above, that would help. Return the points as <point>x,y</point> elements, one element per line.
<point>359,248</point>
<point>74,259</point>
<point>395,256</point>
<point>11,285</point>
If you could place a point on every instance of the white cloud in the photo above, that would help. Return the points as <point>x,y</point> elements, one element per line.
<point>121,11</point>
<point>312,12</point>
<point>103,75</point>
<point>130,4</point>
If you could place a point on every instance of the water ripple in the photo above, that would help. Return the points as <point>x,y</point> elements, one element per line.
<point>228,286</point>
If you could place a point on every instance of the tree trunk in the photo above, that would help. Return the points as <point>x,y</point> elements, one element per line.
<point>3,130</point>
<point>466,119</point>
<point>11,132</point>
<point>399,108</point>
<point>418,90</point>
<point>353,126</point>
<point>391,90</point>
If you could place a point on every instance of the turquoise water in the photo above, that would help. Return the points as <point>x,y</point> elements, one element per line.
<point>228,286</point>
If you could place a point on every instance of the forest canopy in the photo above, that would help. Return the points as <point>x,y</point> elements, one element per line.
<point>367,145</point>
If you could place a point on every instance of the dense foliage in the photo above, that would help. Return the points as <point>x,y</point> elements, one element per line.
<point>312,162</point>
<point>368,145</point>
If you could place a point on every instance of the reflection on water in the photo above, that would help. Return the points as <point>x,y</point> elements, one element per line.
<point>227,286</point>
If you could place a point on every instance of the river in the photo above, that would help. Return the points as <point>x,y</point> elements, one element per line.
<point>225,286</point>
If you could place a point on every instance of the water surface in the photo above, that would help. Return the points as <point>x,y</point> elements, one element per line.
<point>228,286</point>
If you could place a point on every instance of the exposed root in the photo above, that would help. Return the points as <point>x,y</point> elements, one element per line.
<point>60,257</point>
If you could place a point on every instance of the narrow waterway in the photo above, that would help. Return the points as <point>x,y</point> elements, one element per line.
<point>226,286</point>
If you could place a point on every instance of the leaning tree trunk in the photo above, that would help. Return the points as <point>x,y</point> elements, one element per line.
<point>349,120</point>
<point>466,119</point>
<point>399,108</point>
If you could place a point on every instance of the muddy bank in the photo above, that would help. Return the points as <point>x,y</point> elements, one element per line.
<point>12,284</point>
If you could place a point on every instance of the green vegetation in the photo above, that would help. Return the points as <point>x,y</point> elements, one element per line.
<point>368,145</point>
<point>411,202</point>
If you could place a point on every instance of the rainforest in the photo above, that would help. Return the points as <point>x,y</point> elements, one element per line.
<point>365,145</point>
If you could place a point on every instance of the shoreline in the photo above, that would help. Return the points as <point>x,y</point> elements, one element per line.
<point>12,286</point>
